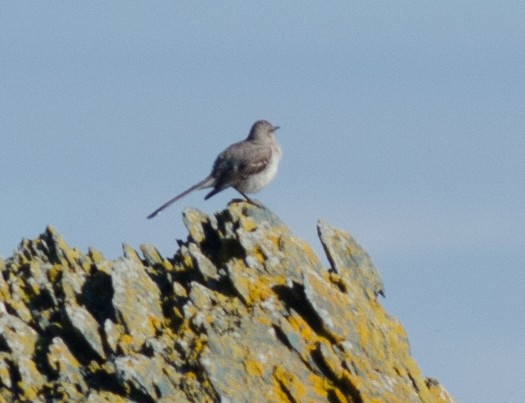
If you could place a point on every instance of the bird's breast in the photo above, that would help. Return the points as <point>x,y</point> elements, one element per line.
<point>256,182</point>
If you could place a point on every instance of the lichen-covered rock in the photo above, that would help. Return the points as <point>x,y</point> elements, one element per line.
<point>244,311</point>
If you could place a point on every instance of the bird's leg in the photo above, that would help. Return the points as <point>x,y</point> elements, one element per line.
<point>250,200</point>
<point>244,195</point>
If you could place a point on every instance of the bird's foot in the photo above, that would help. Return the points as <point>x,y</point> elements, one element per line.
<point>256,203</point>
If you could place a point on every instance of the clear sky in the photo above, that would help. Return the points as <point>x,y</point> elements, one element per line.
<point>401,123</point>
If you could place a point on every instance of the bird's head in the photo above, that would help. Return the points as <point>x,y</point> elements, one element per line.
<point>262,130</point>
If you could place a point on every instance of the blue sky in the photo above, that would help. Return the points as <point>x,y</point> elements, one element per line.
<point>401,123</point>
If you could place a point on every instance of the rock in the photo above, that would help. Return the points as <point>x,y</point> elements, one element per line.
<point>350,260</point>
<point>244,311</point>
<point>136,301</point>
<point>68,369</point>
<point>86,328</point>
<point>20,341</point>
<point>152,378</point>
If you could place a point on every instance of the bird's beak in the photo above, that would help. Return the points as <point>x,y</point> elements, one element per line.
<point>275,128</point>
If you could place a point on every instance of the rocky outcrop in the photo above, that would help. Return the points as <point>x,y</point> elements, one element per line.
<point>243,312</point>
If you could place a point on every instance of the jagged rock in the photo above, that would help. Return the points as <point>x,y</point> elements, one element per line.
<point>68,370</point>
<point>350,260</point>
<point>136,301</point>
<point>86,328</point>
<point>243,312</point>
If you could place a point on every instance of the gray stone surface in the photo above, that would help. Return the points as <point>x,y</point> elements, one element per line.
<point>244,311</point>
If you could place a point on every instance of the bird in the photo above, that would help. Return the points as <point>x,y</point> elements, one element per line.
<point>247,166</point>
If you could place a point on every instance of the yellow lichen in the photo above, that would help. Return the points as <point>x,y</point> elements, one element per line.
<point>321,385</point>
<point>53,274</point>
<point>265,320</point>
<point>5,376</point>
<point>263,289</point>
<point>334,278</point>
<point>275,238</point>
<point>292,384</point>
<point>253,367</point>
<point>167,265</point>
<point>187,261</point>
<point>199,343</point>
<point>302,327</point>
<point>125,342</point>
<point>191,376</point>
<point>155,322</point>
<point>248,224</point>
<point>28,392</point>
<point>258,254</point>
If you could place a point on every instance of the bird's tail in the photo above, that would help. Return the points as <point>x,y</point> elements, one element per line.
<point>205,183</point>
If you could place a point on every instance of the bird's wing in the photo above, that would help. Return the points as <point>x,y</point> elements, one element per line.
<point>257,162</point>
<point>239,161</point>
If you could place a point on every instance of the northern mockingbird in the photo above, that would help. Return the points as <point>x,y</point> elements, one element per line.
<point>247,166</point>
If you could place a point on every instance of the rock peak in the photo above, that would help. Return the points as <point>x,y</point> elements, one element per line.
<point>244,311</point>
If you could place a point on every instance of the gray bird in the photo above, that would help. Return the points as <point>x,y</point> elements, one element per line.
<point>247,166</point>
